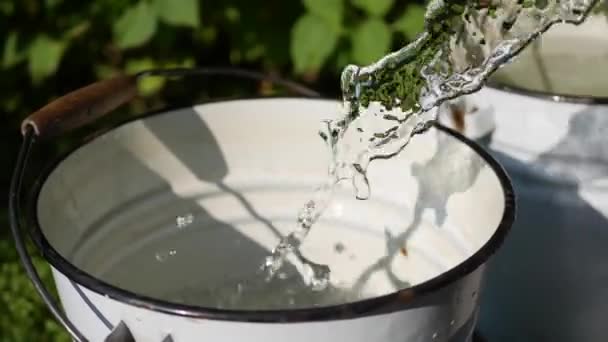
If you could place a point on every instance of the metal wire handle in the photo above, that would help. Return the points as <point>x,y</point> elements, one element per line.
<point>83,107</point>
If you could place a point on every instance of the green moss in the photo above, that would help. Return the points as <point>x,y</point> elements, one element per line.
<point>528,3</point>
<point>400,85</point>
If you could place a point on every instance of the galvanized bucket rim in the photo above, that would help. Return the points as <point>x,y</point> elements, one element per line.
<point>396,301</point>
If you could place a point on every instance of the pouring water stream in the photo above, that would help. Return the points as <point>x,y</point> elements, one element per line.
<point>464,42</point>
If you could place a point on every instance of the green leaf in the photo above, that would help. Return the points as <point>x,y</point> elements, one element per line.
<point>135,26</point>
<point>148,85</point>
<point>12,54</point>
<point>411,23</point>
<point>7,8</point>
<point>44,55</point>
<point>371,41</point>
<point>232,14</point>
<point>376,8</point>
<point>332,11</point>
<point>178,12</point>
<point>187,62</point>
<point>11,104</point>
<point>50,4</point>
<point>105,71</point>
<point>312,42</point>
<point>77,30</point>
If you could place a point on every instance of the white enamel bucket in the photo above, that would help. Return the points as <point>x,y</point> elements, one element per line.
<point>144,223</point>
<point>549,282</point>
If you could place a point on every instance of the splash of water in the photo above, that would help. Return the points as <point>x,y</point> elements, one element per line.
<point>392,100</point>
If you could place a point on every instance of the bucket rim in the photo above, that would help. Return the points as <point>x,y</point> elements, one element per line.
<point>549,96</point>
<point>395,301</point>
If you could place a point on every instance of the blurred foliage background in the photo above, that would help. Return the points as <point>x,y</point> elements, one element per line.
<point>50,47</point>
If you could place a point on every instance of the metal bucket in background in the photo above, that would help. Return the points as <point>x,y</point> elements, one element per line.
<point>550,114</point>
<point>147,224</point>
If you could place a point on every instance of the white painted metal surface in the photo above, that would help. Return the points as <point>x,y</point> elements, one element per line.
<point>549,282</point>
<point>110,208</point>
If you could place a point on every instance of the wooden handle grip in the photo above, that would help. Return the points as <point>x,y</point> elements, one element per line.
<point>81,107</point>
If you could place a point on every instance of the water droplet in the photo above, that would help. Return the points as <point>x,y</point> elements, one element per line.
<point>452,322</point>
<point>282,275</point>
<point>339,247</point>
<point>318,275</point>
<point>435,335</point>
<point>162,256</point>
<point>184,221</point>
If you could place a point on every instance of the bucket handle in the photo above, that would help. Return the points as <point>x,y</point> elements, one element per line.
<point>82,107</point>
<point>85,105</point>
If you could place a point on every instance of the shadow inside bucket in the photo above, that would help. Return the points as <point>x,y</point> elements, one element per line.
<point>436,184</point>
<point>207,262</point>
<point>212,167</point>
<point>162,264</point>
<point>170,168</point>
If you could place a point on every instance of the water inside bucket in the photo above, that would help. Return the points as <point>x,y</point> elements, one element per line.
<point>190,202</point>
<point>212,262</point>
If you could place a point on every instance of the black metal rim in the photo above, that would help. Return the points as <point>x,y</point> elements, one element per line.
<point>553,97</point>
<point>377,305</point>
